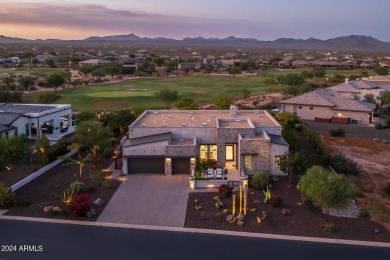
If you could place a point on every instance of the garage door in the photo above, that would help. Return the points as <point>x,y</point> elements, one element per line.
<point>146,165</point>
<point>180,165</point>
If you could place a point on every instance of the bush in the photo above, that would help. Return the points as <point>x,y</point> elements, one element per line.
<point>108,152</point>
<point>337,132</point>
<point>260,180</point>
<point>225,190</point>
<point>79,205</point>
<point>7,197</point>
<point>344,165</point>
<point>78,187</point>
<point>329,227</point>
<point>275,200</point>
<point>57,150</point>
<point>380,126</point>
<point>364,212</point>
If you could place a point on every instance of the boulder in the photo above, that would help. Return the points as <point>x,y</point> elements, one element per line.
<point>47,208</point>
<point>57,209</point>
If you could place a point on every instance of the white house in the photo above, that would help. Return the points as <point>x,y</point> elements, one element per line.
<point>170,141</point>
<point>33,120</point>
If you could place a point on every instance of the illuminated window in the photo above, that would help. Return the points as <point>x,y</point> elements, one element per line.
<point>248,163</point>
<point>229,153</point>
<point>208,152</point>
<point>277,161</point>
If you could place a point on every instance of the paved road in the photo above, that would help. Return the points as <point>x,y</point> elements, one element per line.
<point>352,130</point>
<point>73,241</point>
<point>149,199</point>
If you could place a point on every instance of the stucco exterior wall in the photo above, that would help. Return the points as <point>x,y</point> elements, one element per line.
<point>276,149</point>
<point>326,112</point>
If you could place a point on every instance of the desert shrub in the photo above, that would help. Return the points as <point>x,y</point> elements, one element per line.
<point>225,190</point>
<point>364,212</point>
<point>78,187</point>
<point>329,227</point>
<point>260,180</point>
<point>337,132</point>
<point>7,197</point>
<point>108,152</point>
<point>380,126</point>
<point>344,165</point>
<point>275,200</point>
<point>79,205</point>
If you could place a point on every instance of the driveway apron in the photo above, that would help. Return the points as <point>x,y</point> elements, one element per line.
<point>146,199</point>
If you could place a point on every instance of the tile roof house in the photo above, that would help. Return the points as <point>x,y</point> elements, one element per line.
<point>34,120</point>
<point>329,106</point>
<point>170,141</point>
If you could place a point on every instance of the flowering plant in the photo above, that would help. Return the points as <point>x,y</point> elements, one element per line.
<point>79,205</point>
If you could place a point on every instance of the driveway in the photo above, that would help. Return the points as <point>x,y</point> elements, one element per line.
<point>148,199</point>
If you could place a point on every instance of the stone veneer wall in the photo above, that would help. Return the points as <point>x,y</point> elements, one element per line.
<point>181,151</point>
<point>261,147</point>
<point>229,136</point>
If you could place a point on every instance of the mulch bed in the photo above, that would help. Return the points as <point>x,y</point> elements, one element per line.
<point>304,220</point>
<point>49,187</point>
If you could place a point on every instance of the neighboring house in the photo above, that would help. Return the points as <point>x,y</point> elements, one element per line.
<point>42,58</point>
<point>33,120</point>
<point>326,105</point>
<point>189,65</point>
<point>11,60</point>
<point>170,141</point>
<point>358,89</point>
<point>93,62</point>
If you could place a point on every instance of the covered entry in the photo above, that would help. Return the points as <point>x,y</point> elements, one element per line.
<point>180,165</point>
<point>146,165</point>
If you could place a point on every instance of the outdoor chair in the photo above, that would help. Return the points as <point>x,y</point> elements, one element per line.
<point>210,173</point>
<point>219,173</point>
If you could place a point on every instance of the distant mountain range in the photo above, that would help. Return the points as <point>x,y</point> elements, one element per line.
<point>345,43</point>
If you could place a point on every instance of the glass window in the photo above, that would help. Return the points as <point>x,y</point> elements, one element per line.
<point>295,110</point>
<point>16,131</point>
<point>284,108</point>
<point>229,153</point>
<point>208,152</point>
<point>248,163</point>
<point>311,108</point>
<point>277,161</point>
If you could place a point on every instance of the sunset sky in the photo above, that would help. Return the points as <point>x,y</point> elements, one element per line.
<point>260,19</point>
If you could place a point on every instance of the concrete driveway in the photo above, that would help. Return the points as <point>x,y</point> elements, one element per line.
<point>149,199</point>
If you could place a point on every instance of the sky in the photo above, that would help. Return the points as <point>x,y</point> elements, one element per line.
<point>259,19</point>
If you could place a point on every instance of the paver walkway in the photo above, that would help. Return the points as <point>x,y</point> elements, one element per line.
<point>149,199</point>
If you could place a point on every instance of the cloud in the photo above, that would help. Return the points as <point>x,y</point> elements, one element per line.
<point>98,18</point>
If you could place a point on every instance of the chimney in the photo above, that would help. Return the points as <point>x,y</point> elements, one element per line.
<point>346,80</point>
<point>233,110</point>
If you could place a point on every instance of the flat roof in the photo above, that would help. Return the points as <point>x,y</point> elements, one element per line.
<point>204,118</point>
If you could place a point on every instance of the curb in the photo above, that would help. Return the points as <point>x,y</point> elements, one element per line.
<point>202,231</point>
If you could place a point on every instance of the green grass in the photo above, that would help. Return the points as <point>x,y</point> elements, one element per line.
<point>122,95</point>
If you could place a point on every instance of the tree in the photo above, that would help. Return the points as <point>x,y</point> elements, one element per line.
<point>48,97</point>
<point>167,96</point>
<point>385,98</point>
<point>26,81</point>
<point>86,69</point>
<point>209,68</point>
<point>138,110</point>
<point>186,103</point>
<point>306,74</point>
<point>121,120</point>
<point>318,73</point>
<point>81,161</point>
<point>223,102</point>
<point>286,119</point>
<point>293,163</point>
<point>98,73</point>
<point>291,79</point>
<point>370,98</point>
<point>325,189</point>
<point>305,87</point>
<point>337,78</point>
<point>11,96</point>
<point>91,133</point>
<point>50,63</point>
<point>382,71</point>
<point>245,93</point>
<point>234,71</point>
<point>112,69</point>
<point>55,80</point>
<point>9,83</point>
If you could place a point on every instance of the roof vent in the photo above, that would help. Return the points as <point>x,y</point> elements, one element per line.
<point>204,124</point>
<point>163,125</point>
<point>238,121</point>
<point>263,125</point>
<point>183,125</point>
<point>181,140</point>
<point>233,110</point>
<point>143,125</point>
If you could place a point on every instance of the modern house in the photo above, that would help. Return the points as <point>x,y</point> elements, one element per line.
<point>34,120</point>
<point>170,141</point>
<point>93,62</point>
<point>326,105</point>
